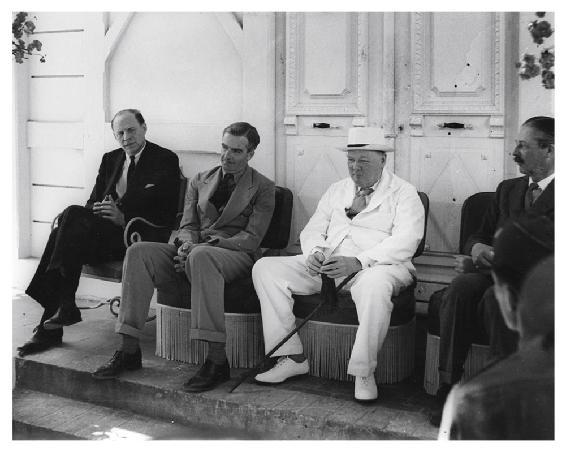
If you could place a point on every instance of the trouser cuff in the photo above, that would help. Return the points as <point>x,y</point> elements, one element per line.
<point>122,328</point>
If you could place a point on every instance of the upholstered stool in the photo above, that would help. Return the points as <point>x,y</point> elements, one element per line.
<point>329,336</point>
<point>478,357</point>
<point>244,334</point>
<point>327,339</point>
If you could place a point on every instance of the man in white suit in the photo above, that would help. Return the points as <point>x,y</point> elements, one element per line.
<point>370,223</point>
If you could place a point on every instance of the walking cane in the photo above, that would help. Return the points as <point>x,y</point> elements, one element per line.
<point>328,291</point>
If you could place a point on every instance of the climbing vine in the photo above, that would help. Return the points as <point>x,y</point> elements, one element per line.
<point>530,66</point>
<point>22,28</point>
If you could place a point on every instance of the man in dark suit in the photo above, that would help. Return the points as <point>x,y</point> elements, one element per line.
<point>513,399</point>
<point>138,179</point>
<point>227,212</point>
<point>469,308</point>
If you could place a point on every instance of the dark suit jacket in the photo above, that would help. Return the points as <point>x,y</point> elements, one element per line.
<point>510,400</point>
<point>243,222</point>
<point>154,190</point>
<point>509,203</point>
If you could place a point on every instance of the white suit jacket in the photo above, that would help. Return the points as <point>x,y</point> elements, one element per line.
<point>387,231</point>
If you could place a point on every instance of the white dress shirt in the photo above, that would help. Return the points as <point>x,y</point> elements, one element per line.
<point>122,183</point>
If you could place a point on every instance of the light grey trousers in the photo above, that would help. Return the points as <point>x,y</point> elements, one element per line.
<point>149,265</point>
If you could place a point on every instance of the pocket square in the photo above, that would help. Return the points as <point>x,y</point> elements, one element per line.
<point>149,186</point>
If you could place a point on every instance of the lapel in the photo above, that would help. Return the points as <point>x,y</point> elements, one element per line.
<point>240,198</point>
<point>116,173</point>
<point>143,163</point>
<point>517,196</point>
<point>384,189</point>
<point>206,190</point>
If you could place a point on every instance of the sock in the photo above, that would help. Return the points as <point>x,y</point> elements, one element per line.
<point>47,314</point>
<point>216,352</point>
<point>130,344</point>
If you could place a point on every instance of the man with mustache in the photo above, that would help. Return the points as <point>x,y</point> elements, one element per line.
<point>226,214</point>
<point>139,179</point>
<point>468,308</point>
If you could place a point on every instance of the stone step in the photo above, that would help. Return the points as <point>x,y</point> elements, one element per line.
<point>299,411</point>
<point>307,408</point>
<point>38,415</point>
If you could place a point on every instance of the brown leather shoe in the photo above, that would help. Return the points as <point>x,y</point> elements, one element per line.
<point>119,363</point>
<point>40,341</point>
<point>208,377</point>
<point>63,317</point>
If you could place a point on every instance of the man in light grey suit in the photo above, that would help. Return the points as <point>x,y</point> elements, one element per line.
<point>227,212</point>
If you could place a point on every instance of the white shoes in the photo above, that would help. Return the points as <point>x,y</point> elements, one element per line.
<point>284,368</point>
<point>365,389</point>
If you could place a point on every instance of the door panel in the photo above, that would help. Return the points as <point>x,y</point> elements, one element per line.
<point>454,111</point>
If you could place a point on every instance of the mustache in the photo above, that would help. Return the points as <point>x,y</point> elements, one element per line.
<point>518,159</point>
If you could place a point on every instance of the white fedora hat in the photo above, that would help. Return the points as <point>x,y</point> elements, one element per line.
<point>367,139</point>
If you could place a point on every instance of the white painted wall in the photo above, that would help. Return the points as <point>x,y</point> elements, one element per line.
<point>187,75</point>
<point>179,67</point>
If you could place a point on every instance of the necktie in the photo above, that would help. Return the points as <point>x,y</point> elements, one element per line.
<point>359,203</point>
<point>131,169</point>
<point>533,192</point>
<point>223,192</point>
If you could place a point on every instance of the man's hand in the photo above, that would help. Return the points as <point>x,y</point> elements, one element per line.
<point>464,264</point>
<point>314,262</point>
<point>340,266</point>
<point>182,253</point>
<point>179,263</point>
<point>109,211</point>
<point>482,255</point>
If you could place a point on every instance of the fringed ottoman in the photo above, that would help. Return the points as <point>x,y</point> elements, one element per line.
<point>244,334</point>
<point>327,339</point>
<point>477,359</point>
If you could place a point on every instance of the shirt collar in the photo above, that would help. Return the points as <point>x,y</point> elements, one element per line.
<point>137,156</point>
<point>374,186</point>
<point>237,176</point>
<point>544,182</point>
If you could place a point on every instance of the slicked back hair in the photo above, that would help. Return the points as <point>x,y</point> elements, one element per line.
<point>544,125</point>
<point>244,129</point>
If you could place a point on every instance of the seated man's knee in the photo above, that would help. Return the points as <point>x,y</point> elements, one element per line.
<point>137,250</point>
<point>199,253</point>
<point>260,267</point>
<point>468,286</point>
<point>74,211</point>
<point>372,287</point>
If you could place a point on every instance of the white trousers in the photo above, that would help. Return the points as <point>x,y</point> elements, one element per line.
<point>276,279</point>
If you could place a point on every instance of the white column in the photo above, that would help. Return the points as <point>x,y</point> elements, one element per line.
<point>21,178</point>
<point>94,119</point>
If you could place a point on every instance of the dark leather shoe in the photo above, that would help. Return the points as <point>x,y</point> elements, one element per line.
<point>40,341</point>
<point>208,377</point>
<point>119,363</point>
<point>63,317</point>
<point>435,416</point>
